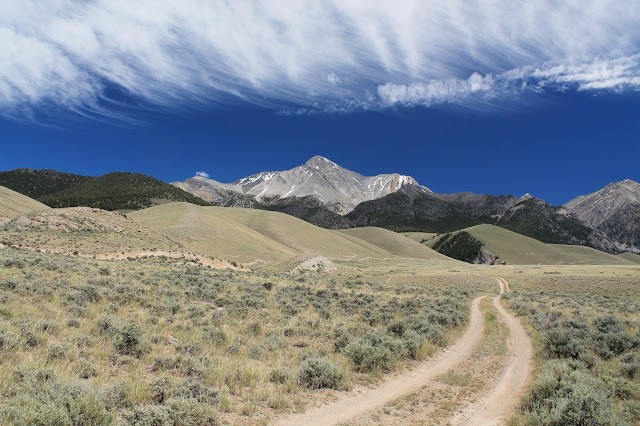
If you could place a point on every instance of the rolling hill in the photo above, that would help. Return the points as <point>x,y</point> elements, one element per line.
<point>522,250</point>
<point>427,238</point>
<point>394,243</point>
<point>631,257</point>
<point>83,231</point>
<point>205,230</point>
<point>13,204</point>
<point>300,236</point>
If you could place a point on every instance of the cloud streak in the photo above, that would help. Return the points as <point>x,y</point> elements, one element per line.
<point>613,74</point>
<point>96,57</point>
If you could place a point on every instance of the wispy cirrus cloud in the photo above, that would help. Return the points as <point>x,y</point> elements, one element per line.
<point>202,174</point>
<point>96,57</point>
<point>609,74</point>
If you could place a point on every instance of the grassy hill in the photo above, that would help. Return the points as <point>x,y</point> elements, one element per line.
<point>82,231</point>
<point>394,243</point>
<point>206,230</point>
<point>300,236</point>
<point>13,204</point>
<point>38,183</point>
<point>521,250</point>
<point>631,257</point>
<point>426,238</point>
<point>119,191</point>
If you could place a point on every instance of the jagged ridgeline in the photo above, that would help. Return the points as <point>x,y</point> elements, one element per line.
<point>113,191</point>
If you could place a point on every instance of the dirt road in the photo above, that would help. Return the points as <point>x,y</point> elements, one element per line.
<point>363,400</point>
<point>491,409</point>
<point>496,406</point>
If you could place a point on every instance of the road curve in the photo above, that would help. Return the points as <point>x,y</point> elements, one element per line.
<point>352,405</point>
<point>496,407</point>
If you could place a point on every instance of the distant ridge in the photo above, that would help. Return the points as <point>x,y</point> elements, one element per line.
<point>327,195</point>
<point>37,183</point>
<point>613,210</point>
<point>113,191</point>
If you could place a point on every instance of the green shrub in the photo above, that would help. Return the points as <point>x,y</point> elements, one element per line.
<point>281,375</point>
<point>366,357</point>
<point>107,326</point>
<point>190,412</point>
<point>86,369</point>
<point>148,415</point>
<point>42,399</point>
<point>7,340</point>
<point>629,366</point>
<point>57,350</point>
<point>414,342</point>
<point>186,365</point>
<point>26,411</point>
<point>130,341</point>
<point>316,373</point>
<point>116,396</point>
<point>566,394</point>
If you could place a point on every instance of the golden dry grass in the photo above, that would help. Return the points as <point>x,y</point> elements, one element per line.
<point>394,243</point>
<point>521,250</point>
<point>13,204</point>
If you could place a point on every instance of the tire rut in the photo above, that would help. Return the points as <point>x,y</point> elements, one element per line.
<point>497,405</point>
<point>364,400</point>
<point>494,408</point>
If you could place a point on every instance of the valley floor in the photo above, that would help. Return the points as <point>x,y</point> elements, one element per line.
<point>166,340</point>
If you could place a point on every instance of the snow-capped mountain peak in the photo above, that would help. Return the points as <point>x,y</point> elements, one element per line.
<point>339,188</point>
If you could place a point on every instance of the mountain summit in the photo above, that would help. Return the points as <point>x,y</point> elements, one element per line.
<point>338,188</point>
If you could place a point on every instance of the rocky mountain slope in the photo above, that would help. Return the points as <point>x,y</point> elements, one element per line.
<point>407,210</point>
<point>336,187</point>
<point>614,210</point>
<point>552,224</point>
<point>412,210</point>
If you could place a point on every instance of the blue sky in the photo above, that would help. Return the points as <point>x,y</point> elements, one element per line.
<point>534,96</point>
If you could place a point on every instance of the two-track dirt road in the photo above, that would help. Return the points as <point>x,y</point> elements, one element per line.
<point>497,404</point>
<point>492,408</point>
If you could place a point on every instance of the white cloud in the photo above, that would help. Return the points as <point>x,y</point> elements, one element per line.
<point>327,55</point>
<point>203,174</point>
<point>614,74</point>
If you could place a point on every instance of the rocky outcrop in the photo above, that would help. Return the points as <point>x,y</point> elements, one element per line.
<point>485,257</point>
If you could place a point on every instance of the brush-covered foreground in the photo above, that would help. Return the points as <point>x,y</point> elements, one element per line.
<point>144,341</point>
<point>586,325</point>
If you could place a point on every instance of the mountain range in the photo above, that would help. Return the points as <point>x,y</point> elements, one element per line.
<point>328,195</point>
<point>325,194</point>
